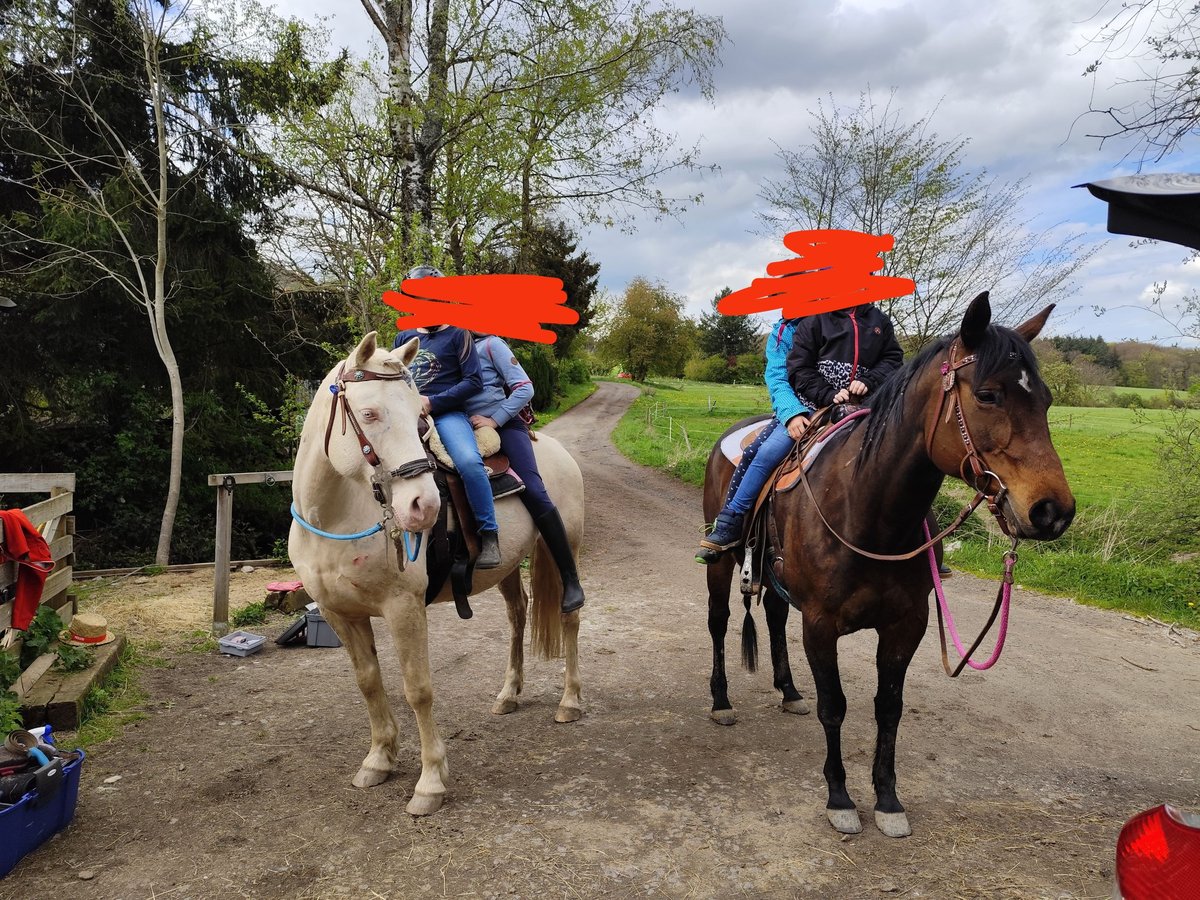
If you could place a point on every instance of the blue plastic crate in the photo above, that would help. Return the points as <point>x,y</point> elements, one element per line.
<point>31,821</point>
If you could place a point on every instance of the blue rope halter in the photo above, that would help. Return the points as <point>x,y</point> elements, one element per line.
<point>374,529</point>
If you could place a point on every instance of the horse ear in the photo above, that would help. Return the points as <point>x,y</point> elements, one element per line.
<point>407,352</point>
<point>365,350</point>
<point>976,321</point>
<point>1032,328</point>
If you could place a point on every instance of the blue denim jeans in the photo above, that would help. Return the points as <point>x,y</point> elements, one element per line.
<point>773,445</point>
<point>459,437</point>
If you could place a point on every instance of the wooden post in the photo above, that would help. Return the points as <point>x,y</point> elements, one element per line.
<point>221,560</point>
<point>224,483</point>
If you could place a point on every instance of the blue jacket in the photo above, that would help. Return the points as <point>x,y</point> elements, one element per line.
<point>783,399</point>
<point>500,368</point>
<point>446,369</point>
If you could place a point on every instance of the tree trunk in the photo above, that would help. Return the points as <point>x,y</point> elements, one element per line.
<point>394,23</point>
<point>158,314</point>
<point>433,126</point>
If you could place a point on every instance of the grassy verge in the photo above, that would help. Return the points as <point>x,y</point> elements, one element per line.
<point>117,701</point>
<point>1106,559</point>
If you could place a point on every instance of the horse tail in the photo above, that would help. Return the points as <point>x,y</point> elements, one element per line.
<point>749,640</point>
<point>545,621</point>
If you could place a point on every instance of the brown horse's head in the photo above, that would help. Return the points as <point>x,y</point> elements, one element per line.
<point>1004,402</point>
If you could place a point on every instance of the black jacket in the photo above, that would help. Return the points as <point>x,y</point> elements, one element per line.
<point>833,349</point>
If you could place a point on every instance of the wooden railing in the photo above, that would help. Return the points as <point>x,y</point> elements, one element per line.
<point>53,518</point>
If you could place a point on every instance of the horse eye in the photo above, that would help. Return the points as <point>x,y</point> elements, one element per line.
<point>988,398</point>
<point>369,415</point>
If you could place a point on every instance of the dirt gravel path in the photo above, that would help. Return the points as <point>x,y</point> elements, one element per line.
<point>1016,780</point>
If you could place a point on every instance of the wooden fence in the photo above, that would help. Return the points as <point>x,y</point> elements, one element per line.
<point>53,518</point>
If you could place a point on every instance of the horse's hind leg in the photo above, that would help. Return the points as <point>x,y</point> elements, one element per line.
<point>406,619</point>
<point>516,601</point>
<point>570,707</point>
<point>897,645</point>
<point>777,616</point>
<point>720,575</point>
<point>820,645</point>
<point>359,639</point>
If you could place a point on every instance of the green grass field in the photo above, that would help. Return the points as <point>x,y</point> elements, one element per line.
<point>1108,454</point>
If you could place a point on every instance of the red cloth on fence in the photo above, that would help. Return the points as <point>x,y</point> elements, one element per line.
<point>24,545</point>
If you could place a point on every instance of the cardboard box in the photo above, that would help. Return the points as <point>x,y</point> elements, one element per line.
<point>33,819</point>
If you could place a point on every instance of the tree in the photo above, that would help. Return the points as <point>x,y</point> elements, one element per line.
<point>114,111</point>
<point>726,336</point>
<point>552,250</point>
<point>1163,36</point>
<point>648,334</point>
<point>489,119</point>
<point>957,232</point>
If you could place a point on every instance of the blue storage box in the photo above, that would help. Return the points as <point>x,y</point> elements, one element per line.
<point>32,820</point>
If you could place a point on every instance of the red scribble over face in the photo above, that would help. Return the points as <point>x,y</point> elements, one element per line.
<point>833,269</point>
<point>511,306</point>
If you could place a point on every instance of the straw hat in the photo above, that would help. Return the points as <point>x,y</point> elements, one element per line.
<point>88,630</point>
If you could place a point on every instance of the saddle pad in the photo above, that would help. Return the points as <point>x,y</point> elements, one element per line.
<point>733,444</point>
<point>285,586</point>
<point>488,440</point>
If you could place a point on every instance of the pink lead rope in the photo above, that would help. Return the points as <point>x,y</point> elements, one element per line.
<point>1010,560</point>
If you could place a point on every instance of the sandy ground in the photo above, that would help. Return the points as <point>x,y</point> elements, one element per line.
<point>238,781</point>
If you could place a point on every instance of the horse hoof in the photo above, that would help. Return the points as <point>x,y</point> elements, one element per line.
<point>424,804</point>
<point>504,707</point>
<point>567,714</point>
<point>894,825</point>
<point>724,716</point>
<point>370,777</point>
<point>797,706</point>
<point>845,820</point>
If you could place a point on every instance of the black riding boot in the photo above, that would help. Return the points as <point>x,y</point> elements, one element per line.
<point>550,525</point>
<point>489,550</point>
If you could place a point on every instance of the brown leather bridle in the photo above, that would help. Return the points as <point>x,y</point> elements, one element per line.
<point>381,477</point>
<point>971,459</point>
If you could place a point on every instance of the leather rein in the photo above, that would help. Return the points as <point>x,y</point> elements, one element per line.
<point>980,477</point>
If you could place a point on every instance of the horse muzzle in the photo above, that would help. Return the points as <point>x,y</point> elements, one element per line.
<point>421,509</point>
<point>1048,518</point>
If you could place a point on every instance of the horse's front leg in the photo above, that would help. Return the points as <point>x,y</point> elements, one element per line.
<point>777,616</point>
<point>820,645</point>
<point>359,639</point>
<point>720,574</point>
<point>405,616</point>
<point>516,601</point>
<point>897,644</point>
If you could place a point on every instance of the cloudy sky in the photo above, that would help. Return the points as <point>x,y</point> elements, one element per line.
<point>1007,75</point>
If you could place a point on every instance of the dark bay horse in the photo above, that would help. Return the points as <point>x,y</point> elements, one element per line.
<point>875,484</point>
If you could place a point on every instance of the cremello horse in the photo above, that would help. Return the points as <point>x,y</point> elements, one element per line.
<point>348,478</point>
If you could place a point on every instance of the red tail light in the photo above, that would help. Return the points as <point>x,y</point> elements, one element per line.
<point>1158,856</point>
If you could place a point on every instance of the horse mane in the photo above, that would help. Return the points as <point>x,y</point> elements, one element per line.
<point>1002,347</point>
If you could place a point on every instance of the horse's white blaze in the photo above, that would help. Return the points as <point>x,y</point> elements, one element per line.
<point>1024,382</point>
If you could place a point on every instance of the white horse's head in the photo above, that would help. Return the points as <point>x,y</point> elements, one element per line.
<point>387,410</point>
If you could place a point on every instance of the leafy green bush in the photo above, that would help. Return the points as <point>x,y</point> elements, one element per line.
<point>10,712</point>
<point>10,670</point>
<point>42,633</point>
<point>709,368</point>
<point>250,614</point>
<point>574,370</point>
<point>74,659</point>
<point>751,368</point>
<point>542,368</point>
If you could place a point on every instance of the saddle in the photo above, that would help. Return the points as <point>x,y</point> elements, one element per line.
<point>761,537</point>
<point>452,551</point>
